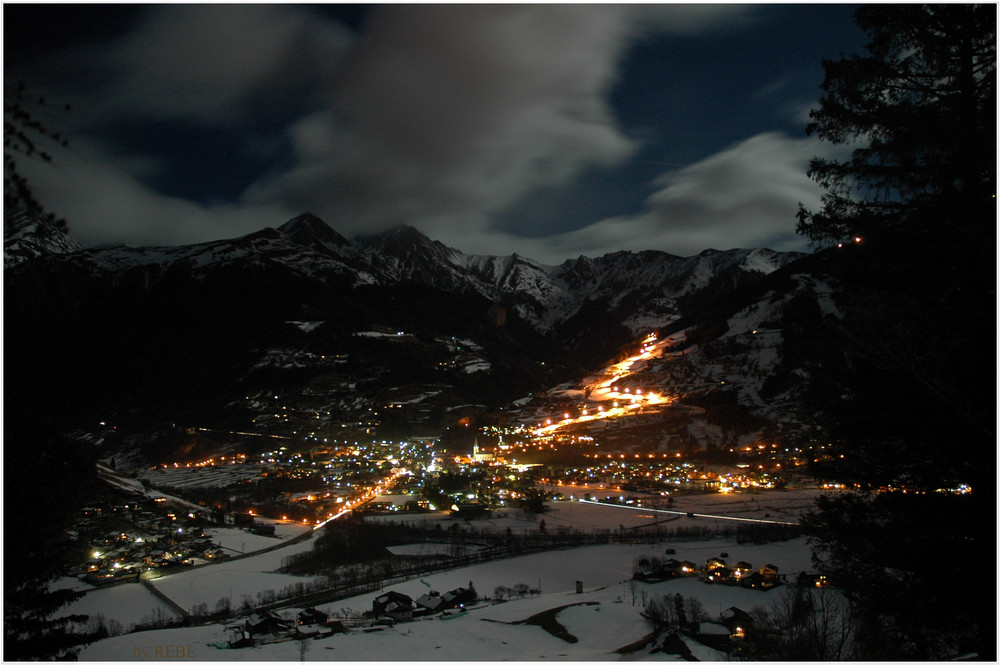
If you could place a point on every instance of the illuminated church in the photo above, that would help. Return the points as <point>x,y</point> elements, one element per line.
<point>480,455</point>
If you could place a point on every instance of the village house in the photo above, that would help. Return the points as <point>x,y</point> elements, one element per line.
<point>812,580</point>
<point>650,571</point>
<point>741,569</point>
<point>395,605</point>
<point>715,562</point>
<point>713,634</point>
<point>647,571</point>
<point>315,623</point>
<point>719,574</point>
<point>429,603</point>
<point>265,622</point>
<point>770,574</point>
<point>239,639</point>
<point>754,581</point>
<point>311,616</point>
<point>459,597</point>
<point>304,631</point>
<point>673,566</point>
<point>468,511</point>
<point>738,621</point>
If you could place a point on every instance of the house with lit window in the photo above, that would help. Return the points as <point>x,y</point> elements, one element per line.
<point>769,572</point>
<point>715,562</point>
<point>742,569</point>
<point>738,621</point>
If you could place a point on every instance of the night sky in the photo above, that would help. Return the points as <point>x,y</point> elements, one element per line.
<point>547,130</point>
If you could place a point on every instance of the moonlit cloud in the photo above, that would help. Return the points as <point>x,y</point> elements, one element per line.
<point>745,196</point>
<point>449,112</point>
<point>109,205</point>
<point>214,64</point>
<point>442,117</point>
<point>447,115</point>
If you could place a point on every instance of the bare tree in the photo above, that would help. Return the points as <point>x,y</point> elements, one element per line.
<point>810,624</point>
<point>26,136</point>
<point>694,610</point>
<point>661,612</point>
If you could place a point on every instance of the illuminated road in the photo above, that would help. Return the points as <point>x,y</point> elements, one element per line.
<point>682,513</point>
<point>372,493</point>
<point>623,403</point>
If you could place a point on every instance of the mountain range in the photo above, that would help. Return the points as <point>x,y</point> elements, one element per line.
<point>643,286</point>
<point>159,334</point>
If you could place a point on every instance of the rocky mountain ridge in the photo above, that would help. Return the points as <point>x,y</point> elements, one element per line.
<point>168,333</point>
<point>647,283</point>
<point>28,236</point>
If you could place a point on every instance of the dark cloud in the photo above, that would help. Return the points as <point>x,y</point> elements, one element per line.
<point>735,198</point>
<point>438,116</point>
<point>217,64</point>
<point>449,111</point>
<point>106,203</point>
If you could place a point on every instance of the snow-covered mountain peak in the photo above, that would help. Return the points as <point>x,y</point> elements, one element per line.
<point>306,220</point>
<point>400,239</point>
<point>28,235</point>
<point>311,231</point>
<point>637,290</point>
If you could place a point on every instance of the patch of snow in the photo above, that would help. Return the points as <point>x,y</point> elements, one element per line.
<point>238,541</point>
<point>128,604</point>
<point>306,326</point>
<point>487,631</point>
<point>478,365</point>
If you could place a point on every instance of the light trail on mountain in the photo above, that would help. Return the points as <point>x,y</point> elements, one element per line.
<point>624,402</point>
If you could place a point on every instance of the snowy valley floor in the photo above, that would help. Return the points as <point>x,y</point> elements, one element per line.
<point>486,632</point>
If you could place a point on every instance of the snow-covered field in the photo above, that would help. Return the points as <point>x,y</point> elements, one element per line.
<point>205,477</point>
<point>134,486</point>
<point>485,632</point>
<point>232,579</point>
<point>774,505</point>
<point>238,541</point>
<point>131,604</point>
<point>128,604</point>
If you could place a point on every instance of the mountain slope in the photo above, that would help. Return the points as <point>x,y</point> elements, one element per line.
<point>730,371</point>
<point>28,236</point>
<point>182,330</point>
<point>549,295</point>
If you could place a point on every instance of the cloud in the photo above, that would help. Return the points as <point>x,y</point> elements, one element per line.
<point>446,115</point>
<point>450,111</point>
<point>214,64</point>
<point>104,203</point>
<point>770,89</point>
<point>438,116</point>
<point>744,196</point>
<point>687,19</point>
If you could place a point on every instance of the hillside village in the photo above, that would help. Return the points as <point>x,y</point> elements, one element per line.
<point>150,535</point>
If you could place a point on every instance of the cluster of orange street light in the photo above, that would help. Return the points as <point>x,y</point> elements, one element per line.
<point>623,402</point>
